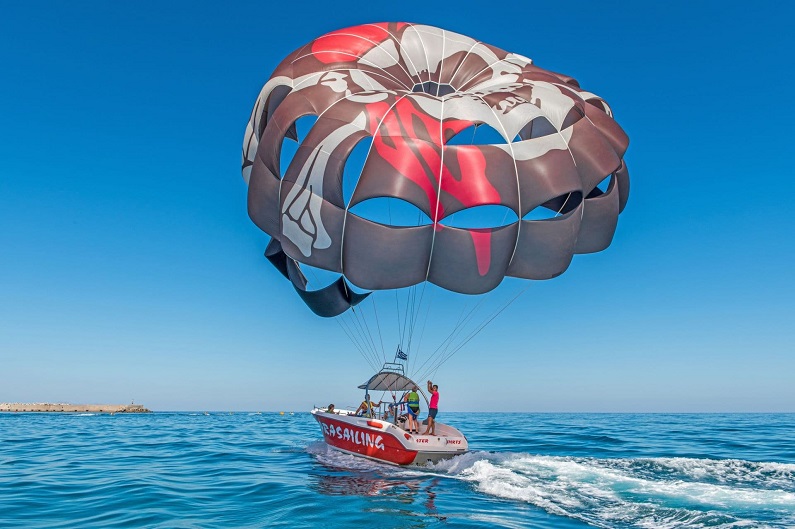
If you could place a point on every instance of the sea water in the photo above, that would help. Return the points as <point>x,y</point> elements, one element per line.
<point>272,470</point>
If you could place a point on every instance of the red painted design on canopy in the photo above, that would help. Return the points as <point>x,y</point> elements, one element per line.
<point>407,138</point>
<point>351,43</point>
<point>481,238</point>
<point>473,189</point>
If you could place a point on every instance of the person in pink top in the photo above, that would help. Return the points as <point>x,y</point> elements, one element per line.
<point>433,408</point>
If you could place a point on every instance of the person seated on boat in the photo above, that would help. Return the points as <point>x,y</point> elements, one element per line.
<point>367,407</point>
<point>331,409</point>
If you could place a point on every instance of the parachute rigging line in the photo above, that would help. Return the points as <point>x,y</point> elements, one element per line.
<point>362,322</point>
<point>361,346</point>
<point>357,344</point>
<point>476,331</point>
<point>352,339</point>
<point>397,312</point>
<point>370,333</point>
<point>460,324</point>
<point>415,317</point>
<point>378,325</point>
<point>424,323</point>
<point>355,324</point>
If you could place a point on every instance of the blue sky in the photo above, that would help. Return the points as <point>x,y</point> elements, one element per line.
<point>129,268</point>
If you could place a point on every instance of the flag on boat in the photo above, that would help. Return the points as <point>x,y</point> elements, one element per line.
<point>402,355</point>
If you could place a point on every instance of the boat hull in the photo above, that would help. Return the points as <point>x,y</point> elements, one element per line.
<point>383,441</point>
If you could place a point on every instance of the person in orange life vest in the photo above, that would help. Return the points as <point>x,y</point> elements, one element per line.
<point>366,407</point>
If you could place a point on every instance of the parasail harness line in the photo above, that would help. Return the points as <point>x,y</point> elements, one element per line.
<point>414,315</point>
<point>425,320</point>
<point>359,339</point>
<point>436,365</point>
<point>378,326</point>
<point>454,332</point>
<point>354,341</point>
<point>360,317</point>
<point>357,332</point>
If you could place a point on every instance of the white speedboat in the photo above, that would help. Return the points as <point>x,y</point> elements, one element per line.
<point>379,435</point>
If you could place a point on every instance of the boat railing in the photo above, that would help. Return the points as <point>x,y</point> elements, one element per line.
<point>394,367</point>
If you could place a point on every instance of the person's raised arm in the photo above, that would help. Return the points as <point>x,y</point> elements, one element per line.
<point>430,386</point>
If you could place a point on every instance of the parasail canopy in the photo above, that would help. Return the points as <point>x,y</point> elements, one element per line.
<point>410,92</point>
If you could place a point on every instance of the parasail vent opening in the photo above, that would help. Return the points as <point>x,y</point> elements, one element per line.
<point>481,217</point>
<point>602,187</point>
<point>537,128</point>
<point>601,105</point>
<point>274,100</point>
<point>574,115</point>
<point>477,134</point>
<point>297,132</point>
<point>556,207</point>
<point>433,88</point>
<point>317,278</point>
<point>390,211</point>
<point>354,166</point>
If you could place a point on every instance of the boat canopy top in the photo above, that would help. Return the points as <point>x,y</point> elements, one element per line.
<point>387,380</point>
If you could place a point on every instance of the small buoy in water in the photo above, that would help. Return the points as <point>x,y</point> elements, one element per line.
<point>281,413</point>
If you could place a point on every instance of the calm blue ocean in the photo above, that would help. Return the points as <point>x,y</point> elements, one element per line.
<point>525,470</point>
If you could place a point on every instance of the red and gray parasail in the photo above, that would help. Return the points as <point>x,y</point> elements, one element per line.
<point>409,89</point>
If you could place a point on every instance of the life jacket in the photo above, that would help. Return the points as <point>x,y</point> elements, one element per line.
<point>413,399</point>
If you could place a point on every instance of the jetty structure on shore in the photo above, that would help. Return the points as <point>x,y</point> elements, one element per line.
<point>71,408</point>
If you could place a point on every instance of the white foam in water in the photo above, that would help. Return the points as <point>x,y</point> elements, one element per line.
<point>655,493</point>
<point>602,492</point>
<point>332,457</point>
<point>768,475</point>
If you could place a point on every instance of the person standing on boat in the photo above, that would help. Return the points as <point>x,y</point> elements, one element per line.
<point>433,408</point>
<point>412,400</point>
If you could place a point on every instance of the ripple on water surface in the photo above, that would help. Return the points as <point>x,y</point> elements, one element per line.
<point>268,470</point>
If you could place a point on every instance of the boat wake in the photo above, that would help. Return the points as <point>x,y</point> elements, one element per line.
<point>654,492</point>
<point>334,458</point>
<point>609,493</point>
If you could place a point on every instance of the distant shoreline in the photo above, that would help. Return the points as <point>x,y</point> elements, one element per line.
<point>46,407</point>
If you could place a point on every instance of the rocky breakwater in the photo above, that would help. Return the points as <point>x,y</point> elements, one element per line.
<point>71,408</point>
